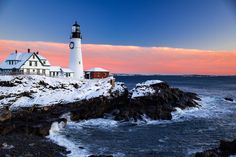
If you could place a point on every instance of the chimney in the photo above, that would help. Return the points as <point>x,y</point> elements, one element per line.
<point>28,50</point>
<point>37,52</point>
<point>16,51</point>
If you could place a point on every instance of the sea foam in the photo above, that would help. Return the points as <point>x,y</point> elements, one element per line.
<point>60,139</point>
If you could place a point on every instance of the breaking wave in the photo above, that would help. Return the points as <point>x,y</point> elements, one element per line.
<point>210,108</point>
<point>55,134</point>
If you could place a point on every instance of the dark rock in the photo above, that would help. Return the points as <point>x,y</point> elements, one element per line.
<point>42,83</point>
<point>210,153</point>
<point>225,149</point>
<point>7,84</point>
<point>75,85</point>
<point>228,147</point>
<point>26,94</point>
<point>42,147</point>
<point>156,106</point>
<point>5,115</point>
<point>228,99</point>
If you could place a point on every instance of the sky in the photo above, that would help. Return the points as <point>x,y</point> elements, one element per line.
<point>127,36</point>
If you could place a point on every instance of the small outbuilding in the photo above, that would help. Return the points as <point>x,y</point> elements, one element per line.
<point>96,73</point>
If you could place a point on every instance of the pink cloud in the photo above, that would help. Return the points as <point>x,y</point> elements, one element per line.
<point>133,59</point>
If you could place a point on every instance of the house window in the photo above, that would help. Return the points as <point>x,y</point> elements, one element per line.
<point>28,71</point>
<point>57,73</point>
<point>33,70</point>
<point>44,62</point>
<point>33,56</point>
<point>38,71</point>
<point>30,63</point>
<point>43,71</point>
<point>53,73</point>
<point>67,74</point>
<point>36,63</point>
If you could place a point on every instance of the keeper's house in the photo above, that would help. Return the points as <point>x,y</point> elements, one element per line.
<point>96,73</point>
<point>33,64</point>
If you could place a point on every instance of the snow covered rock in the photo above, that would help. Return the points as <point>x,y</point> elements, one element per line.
<point>145,88</point>
<point>27,91</point>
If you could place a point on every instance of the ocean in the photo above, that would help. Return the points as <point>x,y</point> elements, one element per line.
<point>189,131</point>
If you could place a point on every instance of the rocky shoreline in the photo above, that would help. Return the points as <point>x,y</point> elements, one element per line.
<point>16,145</point>
<point>154,99</point>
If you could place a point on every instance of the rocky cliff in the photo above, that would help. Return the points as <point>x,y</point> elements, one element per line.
<point>30,104</point>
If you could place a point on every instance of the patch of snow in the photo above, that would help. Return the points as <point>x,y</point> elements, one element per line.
<point>149,82</point>
<point>144,89</point>
<point>97,69</point>
<point>6,146</point>
<point>46,91</point>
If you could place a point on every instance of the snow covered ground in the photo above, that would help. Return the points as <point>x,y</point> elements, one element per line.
<point>26,91</point>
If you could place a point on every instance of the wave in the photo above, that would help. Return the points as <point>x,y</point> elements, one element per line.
<point>211,107</point>
<point>57,131</point>
<point>101,123</point>
<point>56,136</point>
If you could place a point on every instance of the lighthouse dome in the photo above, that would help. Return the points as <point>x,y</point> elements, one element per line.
<point>76,24</point>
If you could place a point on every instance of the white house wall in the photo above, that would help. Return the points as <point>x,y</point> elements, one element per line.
<point>34,69</point>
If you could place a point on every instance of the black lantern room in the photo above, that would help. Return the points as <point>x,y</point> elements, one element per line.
<point>76,31</point>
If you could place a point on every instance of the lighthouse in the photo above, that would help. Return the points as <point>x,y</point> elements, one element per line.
<point>76,62</point>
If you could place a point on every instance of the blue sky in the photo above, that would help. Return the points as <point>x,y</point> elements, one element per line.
<point>198,24</point>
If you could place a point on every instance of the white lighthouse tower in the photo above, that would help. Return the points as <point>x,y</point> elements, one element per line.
<point>76,62</point>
